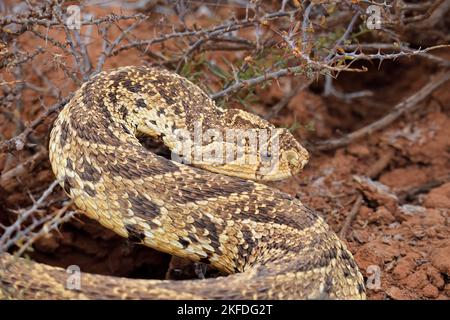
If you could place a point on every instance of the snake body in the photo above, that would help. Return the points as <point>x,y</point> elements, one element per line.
<point>272,245</point>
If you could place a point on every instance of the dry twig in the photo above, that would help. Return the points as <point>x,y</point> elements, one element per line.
<point>401,108</point>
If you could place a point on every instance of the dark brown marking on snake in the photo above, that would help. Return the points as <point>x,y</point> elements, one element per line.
<point>106,137</point>
<point>123,111</point>
<point>64,133</point>
<point>117,78</point>
<point>328,287</point>
<point>89,190</point>
<point>112,97</point>
<point>107,116</point>
<point>269,216</point>
<point>134,234</point>
<point>169,166</point>
<point>234,119</point>
<point>123,203</point>
<point>69,164</point>
<point>161,112</point>
<point>132,86</point>
<point>189,113</point>
<point>88,93</point>
<point>347,273</point>
<point>267,210</point>
<point>168,96</point>
<point>345,255</point>
<point>184,243</point>
<point>296,248</point>
<point>285,196</point>
<point>289,219</point>
<point>210,118</point>
<point>177,109</point>
<point>125,128</point>
<point>94,130</point>
<point>330,254</point>
<point>88,172</point>
<point>322,261</point>
<point>205,223</point>
<point>162,80</point>
<point>130,165</point>
<point>171,95</point>
<point>122,79</point>
<point>69,183</point>
<point>144,208</point>
<point>102,159</point>
<point>352,264</point>
<point>190,192</point>
<point>309,263</point>
<point>250,242</point>
<point>140,103</point>
<point>192,238</point>
<point>327,256</point>
<point>361,288</point>
<point>205,260</point>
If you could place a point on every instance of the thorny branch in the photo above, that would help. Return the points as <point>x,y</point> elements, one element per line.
<point>16,233</point>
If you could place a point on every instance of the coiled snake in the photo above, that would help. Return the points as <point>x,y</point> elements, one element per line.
<point>273,246</point>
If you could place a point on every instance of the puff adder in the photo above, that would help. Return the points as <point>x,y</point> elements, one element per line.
<point>272,246</point>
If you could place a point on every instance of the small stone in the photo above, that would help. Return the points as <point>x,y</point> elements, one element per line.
<point>440,259</point>
<point>375,253</point>
<point>435,277</point>
<point>19,144</point>
<point>447,289</point>
<point>404,267</point>
<point>417,280</point>
<point>433,217</point>
<point>377,192</point>
<point>430,291</point>
<point>362,236</point>
<point>398,237</point>
<point>404,178</point>
<point>438,197</point>
<point>364,213</point>
<point>410,209</point>
<point>358,150</point>
<point>381,216</point>
<point>396,294</point>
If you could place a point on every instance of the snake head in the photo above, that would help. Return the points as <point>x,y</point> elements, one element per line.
<point>293,153</point>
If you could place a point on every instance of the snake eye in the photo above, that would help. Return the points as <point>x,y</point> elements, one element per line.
<point>292,158</point>
<point>266,156</point>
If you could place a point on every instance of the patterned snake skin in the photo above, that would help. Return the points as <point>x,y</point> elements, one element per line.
<point>272,246</point>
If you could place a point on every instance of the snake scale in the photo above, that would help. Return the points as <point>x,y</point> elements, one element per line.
<point>271,245</point>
